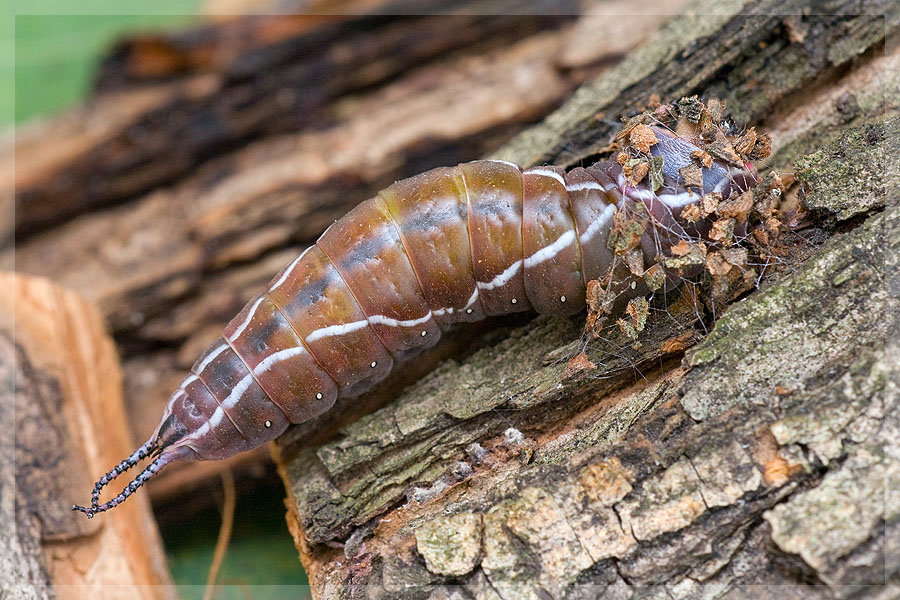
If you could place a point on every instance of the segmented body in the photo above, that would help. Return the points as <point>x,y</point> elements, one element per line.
<point>383,283</point>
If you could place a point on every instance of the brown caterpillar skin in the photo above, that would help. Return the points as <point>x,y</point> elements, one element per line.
<point>456,244</point>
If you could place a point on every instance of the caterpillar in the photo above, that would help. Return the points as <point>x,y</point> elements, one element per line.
<point>451,245</point>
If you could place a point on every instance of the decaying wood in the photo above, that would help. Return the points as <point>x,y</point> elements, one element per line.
<point>284,85</point>
<point>751,464</point>
<point>171,266</point>
<point>763,462</point>
<point>64,399</point>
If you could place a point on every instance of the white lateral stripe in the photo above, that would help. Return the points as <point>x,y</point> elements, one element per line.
<point>584,185</point>
<point>440,312</point>
<point>217,417</point>
<point>209,358</point>
<point>237,332</point>
<point>290,268</point>
<point>382,320</point>
<point>676,200</point>
<point>237,391</point>
<point>213,421</point>
<point>200,431</point>
<point>599,222</point>
<point>472,298</point>
<point>640,192</point>
<point>670,200</point>
<point>270,360</point>
<point>188,380</point>
<point>548,252</point>
<point>501,279</point>
<point>505,162</point>
<point>286,273</point>
<point>335,330</point>
<point>546,173</point>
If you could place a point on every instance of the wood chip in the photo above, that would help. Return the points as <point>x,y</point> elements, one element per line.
<point>657,177</point>
<point>635,171</point>
<point>638,309</point>
<point>691,109</point>
<point>735,256</point>
<point>628,227</point>
<point>717,265</point>
<point>641,138</point>
<point>761,236</point>
<point>686,255</point>
<point>691,213</point>
<point>737,208</point>
<point>722,150</point>
<point>762,148</point>
<point>692,176</point>
<point>681,248</point>
<point>598,299</point>
<point>709,203</point>
<point>655,277</point>
<point>578,365</point>
<point>744,144</point>
<point>716,109</point>
<point>702,158</point>
<point>723,232</point>
<point>634,260</point>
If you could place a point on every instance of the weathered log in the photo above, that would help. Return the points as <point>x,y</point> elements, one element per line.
<point>169,268</point>
<point>284,85</point>
<point>64,421</point>
<point>762,458</point>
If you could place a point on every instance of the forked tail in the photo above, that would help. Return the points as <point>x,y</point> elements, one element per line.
<point>161,447</point>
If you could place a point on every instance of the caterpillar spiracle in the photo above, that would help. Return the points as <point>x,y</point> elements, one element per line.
<point>451,245</point>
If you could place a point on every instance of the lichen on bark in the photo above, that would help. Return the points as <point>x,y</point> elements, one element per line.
<point>851,175</point>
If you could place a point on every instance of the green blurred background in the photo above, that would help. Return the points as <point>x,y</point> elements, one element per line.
<point>50,49</point>
<point>261,561</point>
<point>49,52</point>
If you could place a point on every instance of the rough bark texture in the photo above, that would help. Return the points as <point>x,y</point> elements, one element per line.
<point>171,253</point>
<point>761,462</point>
<point>65,423</point>
<point>245,101</point>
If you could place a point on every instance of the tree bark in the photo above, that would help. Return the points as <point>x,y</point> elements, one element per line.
<point>66,424</point>
<point>240,100</point>
<point>762,461</point>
